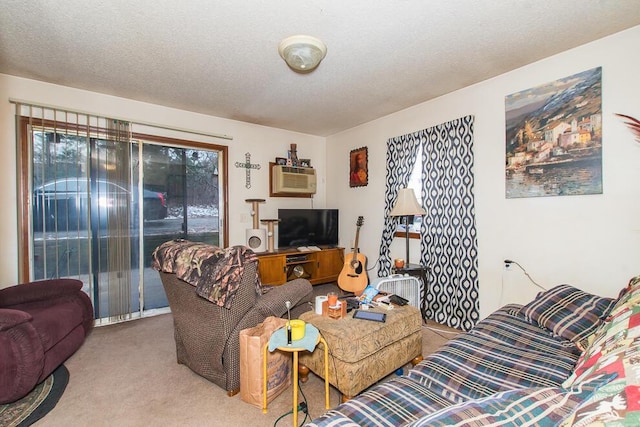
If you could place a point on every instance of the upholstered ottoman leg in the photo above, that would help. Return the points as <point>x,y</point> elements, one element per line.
<point>303,372</point>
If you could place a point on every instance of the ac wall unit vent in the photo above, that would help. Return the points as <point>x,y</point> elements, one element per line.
<point>289,179</point>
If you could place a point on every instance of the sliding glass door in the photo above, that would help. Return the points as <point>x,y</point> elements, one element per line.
<point>101,199</point>
<point>189,180</point>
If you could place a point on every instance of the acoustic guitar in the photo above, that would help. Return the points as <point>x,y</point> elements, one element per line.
<point>353,277</point>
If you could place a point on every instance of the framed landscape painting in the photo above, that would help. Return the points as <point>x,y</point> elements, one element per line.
<point>554,138</point>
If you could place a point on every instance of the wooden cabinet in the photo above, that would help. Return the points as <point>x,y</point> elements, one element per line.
<point>277,268</point>
<point>329,264</point>
<point>272,270</point>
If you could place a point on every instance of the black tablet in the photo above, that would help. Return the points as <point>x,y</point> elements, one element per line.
<point>370,315</point>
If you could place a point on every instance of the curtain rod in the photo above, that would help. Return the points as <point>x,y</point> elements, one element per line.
<point>156,125</point>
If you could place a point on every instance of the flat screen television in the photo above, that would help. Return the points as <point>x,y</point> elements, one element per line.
<point>307,227</point>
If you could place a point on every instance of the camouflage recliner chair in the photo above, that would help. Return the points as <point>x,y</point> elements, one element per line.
<point>213,294</point>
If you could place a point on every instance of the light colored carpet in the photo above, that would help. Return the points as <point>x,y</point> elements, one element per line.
<point>127,375</point>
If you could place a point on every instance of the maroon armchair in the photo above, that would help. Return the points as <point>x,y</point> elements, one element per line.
<point>41,324</point>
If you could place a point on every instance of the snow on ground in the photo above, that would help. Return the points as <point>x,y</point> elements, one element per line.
<point>205,211</point>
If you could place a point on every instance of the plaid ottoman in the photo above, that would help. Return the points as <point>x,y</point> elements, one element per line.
<point>362,352</point>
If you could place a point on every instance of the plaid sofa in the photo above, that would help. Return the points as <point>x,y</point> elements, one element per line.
<point>567,358</point>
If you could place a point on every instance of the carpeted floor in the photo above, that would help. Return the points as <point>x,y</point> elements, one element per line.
<point>38,403</point>
<point>127,375</point>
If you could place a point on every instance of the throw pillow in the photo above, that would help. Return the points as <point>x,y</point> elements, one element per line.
<point>615,350</point>
<point>568,312</point>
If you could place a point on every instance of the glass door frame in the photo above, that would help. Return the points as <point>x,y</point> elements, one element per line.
<point>25,187</point>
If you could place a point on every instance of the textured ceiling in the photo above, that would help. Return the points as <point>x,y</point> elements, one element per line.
<point>221,57</point>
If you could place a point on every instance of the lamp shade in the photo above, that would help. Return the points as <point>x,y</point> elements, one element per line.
<point>407,204</point>
<point>302,53</point>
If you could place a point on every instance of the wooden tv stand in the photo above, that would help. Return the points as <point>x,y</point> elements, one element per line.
<point>281,266</point>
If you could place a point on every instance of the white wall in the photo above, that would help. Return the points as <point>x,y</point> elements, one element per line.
<point>263,143</point>
<point>592,242</point>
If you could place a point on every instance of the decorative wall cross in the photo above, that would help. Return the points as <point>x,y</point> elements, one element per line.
<point>248,166</point>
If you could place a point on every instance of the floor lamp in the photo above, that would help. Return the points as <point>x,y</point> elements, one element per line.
<point>406,206</point>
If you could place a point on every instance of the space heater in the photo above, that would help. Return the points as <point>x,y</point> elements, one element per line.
<point>405,286</point>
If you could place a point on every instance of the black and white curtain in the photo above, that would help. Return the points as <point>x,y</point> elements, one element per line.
<point>401,157</point>
<point>448,232</point>
<point>449,243</point>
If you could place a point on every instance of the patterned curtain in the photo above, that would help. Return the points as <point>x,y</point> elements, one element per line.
<point>449,246</point>
<point>401,157</point>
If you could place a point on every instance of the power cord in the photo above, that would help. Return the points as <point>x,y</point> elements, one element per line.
<point>333,360</point>
<point>281,417</point>
<point>302,406</point>
<point>501,289</point>
<point>374,264</point>
<point>508,263</point>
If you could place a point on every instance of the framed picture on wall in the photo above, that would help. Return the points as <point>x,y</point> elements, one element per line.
<point>359,167</point>
<point>554,138</point>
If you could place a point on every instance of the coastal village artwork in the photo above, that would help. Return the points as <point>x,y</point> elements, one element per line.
<point>554,138</point>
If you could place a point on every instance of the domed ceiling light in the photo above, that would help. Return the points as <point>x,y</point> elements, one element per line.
<point>302,53</point>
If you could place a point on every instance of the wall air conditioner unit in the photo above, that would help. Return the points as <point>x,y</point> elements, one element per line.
<point>290,179</point>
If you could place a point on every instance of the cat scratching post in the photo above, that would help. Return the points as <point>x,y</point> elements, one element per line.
<point>270,224</point>
<point>256,236</point>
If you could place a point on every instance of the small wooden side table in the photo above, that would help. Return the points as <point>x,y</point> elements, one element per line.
<point>295,349</point>
<point>422,273</point>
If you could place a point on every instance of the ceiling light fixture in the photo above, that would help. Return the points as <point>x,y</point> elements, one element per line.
<point>302,53</point>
